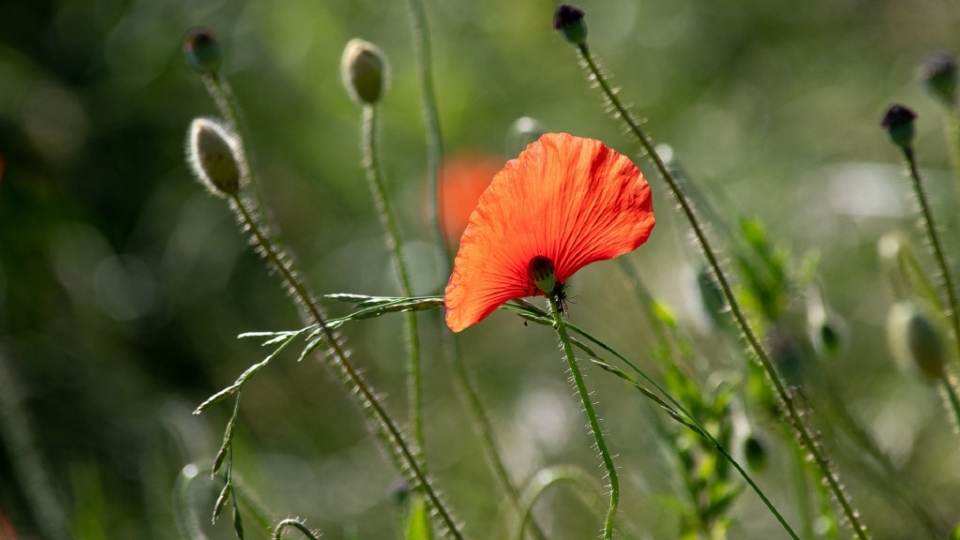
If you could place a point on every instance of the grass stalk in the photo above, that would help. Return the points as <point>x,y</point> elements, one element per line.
<point>805,437</point>
<point>371,163</point>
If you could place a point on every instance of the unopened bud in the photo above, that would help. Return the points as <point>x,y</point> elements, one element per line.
<point>939,75</point>
<point>541,271</point>
<point>202,49</point>
<point>914,339</point>
<point>365,71</point>
<point>215,157</point>
<point>755,453</point>
<point>898,121</point>
<point>569,21</point>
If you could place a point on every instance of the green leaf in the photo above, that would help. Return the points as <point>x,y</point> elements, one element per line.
<point>418,521</point>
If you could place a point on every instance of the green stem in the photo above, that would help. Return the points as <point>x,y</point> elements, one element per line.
<point>946,278</point>
<point>951,392</point>
<point>952,127</point>
<point>561,328</point>
<point>462,379</point>
<point>371,163</point>
<point>404,458</point>
<point>804,435</point>
<point>421,46</point>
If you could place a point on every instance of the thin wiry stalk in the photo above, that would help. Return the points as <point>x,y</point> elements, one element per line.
<point>404,458</point>
<point>561,328</point>
<point>371,162</point>
<point>805,437</point>
<point>461,377</point>
<point>951,393</point>
<point>946,277</point>
<point>296,524</point>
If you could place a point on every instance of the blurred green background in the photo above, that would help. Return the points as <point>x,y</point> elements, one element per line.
<point>123,285</point>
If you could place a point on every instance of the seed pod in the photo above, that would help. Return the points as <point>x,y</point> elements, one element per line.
<point>365,71</point>
<point>915,339</point>
<point>215,157</point>
<point>201,48</point>
<point>569,21</point>
<point>898,121</point>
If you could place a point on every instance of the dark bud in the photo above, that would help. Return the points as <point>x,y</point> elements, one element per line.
<point>898,121</point>
<point>755,454</point>
<point>939,75</point>
<point>400,494</point>
<point>569,21</point>
<point>202,50</point>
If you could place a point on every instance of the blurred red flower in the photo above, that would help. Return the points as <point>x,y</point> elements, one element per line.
<point>569,199</point>
<point>462,179</point>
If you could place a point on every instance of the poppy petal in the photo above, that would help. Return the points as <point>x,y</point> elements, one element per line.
<point>570,199</point>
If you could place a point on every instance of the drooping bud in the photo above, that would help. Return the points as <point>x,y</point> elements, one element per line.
<point>755,453</point>
<point>939,75</point>
<point>898,121</point>
<point>201,48</point>
<point>542,272</point>
<point>364,70</point>
<point>215,157</point>
<point>914,339</point>
<point>569,21</point>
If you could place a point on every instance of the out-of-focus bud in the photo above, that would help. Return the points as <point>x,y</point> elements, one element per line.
<point>202,49</point>
<point>754,453</point>
<point>898,121</point>
<point>915,339</point>
<point>522,132</point>
<point>711,298</point>
<point>365,72</point>
<point>939,75</point>
<point>214,155</point>
<point>400,494</point>
<point>569,21</point>
<point>827,330</point>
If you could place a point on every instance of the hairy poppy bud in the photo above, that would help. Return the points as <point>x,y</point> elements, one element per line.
<point>214,156</point>
<point>915,339</point>
<point>898,121</point>
<point>939,75</point>
<point>202,49</point>
<point>541,271</point>
<point>569,21</point>
<point>364,70</point>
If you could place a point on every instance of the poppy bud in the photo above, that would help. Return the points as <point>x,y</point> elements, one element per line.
<point>939,75</point>
<point>569,21</point>
<point>541,272</point>
<point>915,339</point>
<point>214,156</point>
<point>202,49</point>
<point>755,453</point>
<point>364,70</point>
<point>898,121</point>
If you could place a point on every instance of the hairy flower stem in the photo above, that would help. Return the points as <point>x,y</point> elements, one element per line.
<point>561,327</point>
<point>465,386</point>
<point>805,436</point>
<point>946,278</point>
<point>371,163</point>
<point>403,456</point>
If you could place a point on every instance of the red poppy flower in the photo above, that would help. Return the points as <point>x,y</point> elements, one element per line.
<point>462,181</point>
<point>571,200</point>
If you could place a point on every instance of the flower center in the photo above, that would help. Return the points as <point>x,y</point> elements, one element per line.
<point>541,271</point>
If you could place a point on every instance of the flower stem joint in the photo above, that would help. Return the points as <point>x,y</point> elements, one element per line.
<point>569,21</point>
<point>899,123</point>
